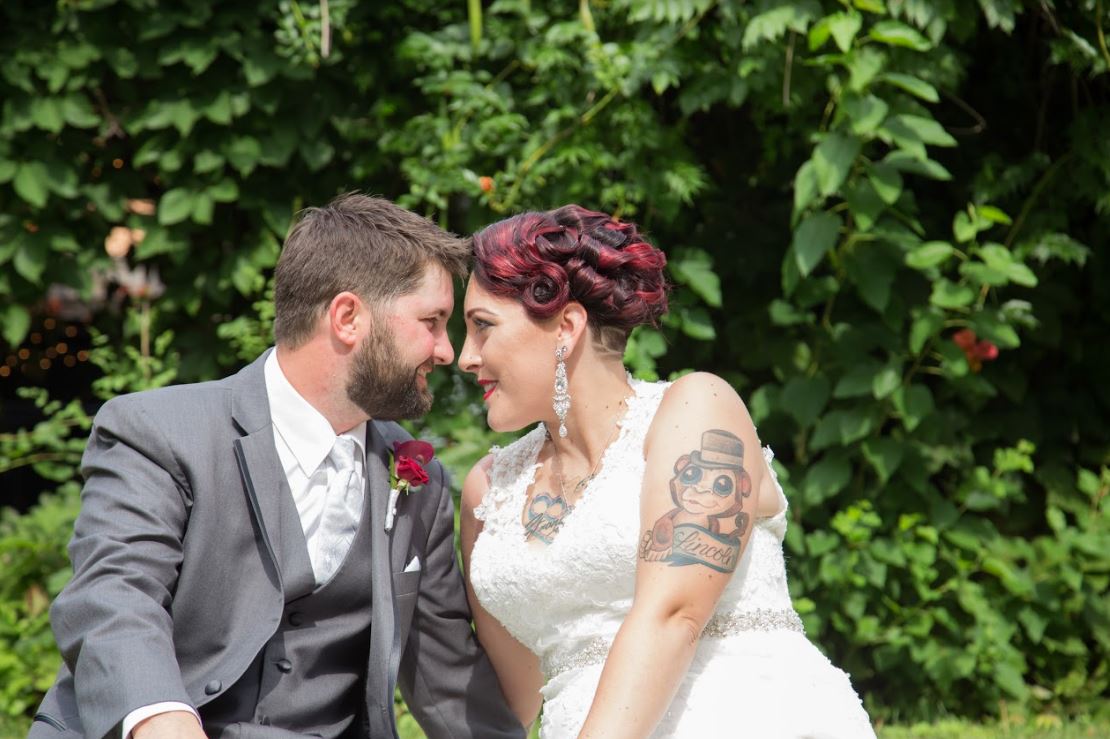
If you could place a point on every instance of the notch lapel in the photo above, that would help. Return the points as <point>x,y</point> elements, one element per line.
<point>259,464</point>
<point>385,648</point>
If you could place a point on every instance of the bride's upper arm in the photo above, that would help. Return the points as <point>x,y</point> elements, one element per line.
<point>703,468</point>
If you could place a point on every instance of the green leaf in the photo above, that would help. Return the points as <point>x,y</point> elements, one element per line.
<point>32,183</point>
<point>866,112</point>
<point>316,152</point>
<point>842,26</point>
<point>207,161</point>
<point>30,260</point>
<point>219,110</point>
<point>175,206</point>
<point>694,268</point>
<point>8,168</point>
<point>832,161</point>
<point>805,397</point>
<point>864,202</point>
<point>887,182</point>
<point>856,382</point>
<point>813,238</point>
<point>16,324</point>
<point>925,326</point>
<point>772,24</point>
<point>905,162</point>
<point>991,325</point>
<point>926,129</point>
<point>805,187</point>
<point>863,66</point>
<point>783,313</point>
<point>1009,678</point>
<point>993,214</point>
<point>886,382</point>
<point>884,455</point>
<point>697,325</point>
<point>896,33</point>
<point>78,112</point>
<point>202,208</point>
<point>947,294</point>
<point>914,404</point>
<point>243,153</point>
<point>930,254</point>
<point>914,86</point>
<point>225,191</point>
<point>826,478</point>
<point>872,272</point>
<point>999,258</point>
<point>842,427</point>
<point>48,113</point>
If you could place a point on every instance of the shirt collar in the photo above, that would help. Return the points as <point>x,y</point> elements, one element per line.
<point>304,429</point>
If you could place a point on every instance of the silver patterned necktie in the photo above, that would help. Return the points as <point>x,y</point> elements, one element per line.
<point>342,509</point>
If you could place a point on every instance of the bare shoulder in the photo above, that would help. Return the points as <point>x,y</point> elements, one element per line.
<point>476,483</point>
<point>699,397</point>
<point>702,387</point>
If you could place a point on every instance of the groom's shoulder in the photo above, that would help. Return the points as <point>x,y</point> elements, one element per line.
<point>184,402</point>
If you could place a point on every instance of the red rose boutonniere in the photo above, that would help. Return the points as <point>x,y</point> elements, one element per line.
<point>407,473</point>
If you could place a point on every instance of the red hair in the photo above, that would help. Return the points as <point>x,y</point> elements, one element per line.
<point>548,259</point>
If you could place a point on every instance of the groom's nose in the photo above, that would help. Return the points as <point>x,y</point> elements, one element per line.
<point>443,353</point>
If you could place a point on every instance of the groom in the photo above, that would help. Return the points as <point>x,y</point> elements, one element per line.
<point>235,574</point>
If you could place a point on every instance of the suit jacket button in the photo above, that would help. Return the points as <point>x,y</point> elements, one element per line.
<point>213,687</point>
<point>284,665</point>
<point>295,619</point>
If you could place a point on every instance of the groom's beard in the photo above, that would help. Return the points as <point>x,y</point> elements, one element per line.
<point>383,387</point>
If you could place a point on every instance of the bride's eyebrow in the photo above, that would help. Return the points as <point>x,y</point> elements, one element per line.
<point>470,313</point>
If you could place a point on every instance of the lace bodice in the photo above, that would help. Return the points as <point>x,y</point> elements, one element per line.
<point>565,599</point>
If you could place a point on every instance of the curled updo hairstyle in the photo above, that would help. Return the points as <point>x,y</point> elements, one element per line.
<point>546,260</point>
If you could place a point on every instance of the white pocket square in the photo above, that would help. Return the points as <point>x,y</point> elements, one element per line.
<point>414,565</point>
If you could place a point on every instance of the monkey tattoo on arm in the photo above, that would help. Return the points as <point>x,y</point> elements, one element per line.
<point>709,488</point>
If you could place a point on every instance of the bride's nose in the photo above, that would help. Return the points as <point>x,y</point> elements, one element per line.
<point>469,360</point>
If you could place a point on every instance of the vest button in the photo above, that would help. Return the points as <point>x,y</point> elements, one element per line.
<point>213,687</point>
<point>284,665</point>
<point>296,619</point>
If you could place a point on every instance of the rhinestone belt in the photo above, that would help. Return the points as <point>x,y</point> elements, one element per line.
<point>721,625</point>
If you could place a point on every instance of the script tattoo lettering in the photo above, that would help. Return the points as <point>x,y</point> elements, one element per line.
<point>545,516</point>
<point>709,489</point>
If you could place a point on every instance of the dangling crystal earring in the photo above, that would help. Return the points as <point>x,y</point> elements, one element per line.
<point>561,399</point>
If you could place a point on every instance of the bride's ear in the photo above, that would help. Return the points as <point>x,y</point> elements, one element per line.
<point>572,325</point>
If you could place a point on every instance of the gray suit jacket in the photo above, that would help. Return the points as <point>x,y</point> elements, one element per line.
<point>177,580</point>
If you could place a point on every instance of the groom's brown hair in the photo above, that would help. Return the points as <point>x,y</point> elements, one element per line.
<point>357,243</point>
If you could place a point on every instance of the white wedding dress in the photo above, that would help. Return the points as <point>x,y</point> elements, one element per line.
<point>754,673</point>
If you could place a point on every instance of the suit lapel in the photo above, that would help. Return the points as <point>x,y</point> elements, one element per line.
<point>385,649</point>
<point>267,489</point>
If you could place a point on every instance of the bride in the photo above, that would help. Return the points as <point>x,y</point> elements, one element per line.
<point>624,558</point>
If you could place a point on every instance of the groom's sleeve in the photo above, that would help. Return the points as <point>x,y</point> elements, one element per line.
<point>112,621</point>
<point>445,677</point>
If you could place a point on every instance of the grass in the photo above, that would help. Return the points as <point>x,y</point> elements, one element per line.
<point>1045,726</point>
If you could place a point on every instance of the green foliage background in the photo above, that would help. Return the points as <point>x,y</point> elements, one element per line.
<point>839,187</point>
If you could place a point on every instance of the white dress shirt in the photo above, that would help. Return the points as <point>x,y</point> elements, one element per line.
<point>304,440</point>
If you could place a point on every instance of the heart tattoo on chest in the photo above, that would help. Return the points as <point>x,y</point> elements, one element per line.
<point>545,516</point>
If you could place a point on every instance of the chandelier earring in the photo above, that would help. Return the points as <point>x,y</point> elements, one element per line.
<point>561,399</point>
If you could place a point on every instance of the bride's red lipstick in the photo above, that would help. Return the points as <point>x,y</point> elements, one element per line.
<point>492,384</point>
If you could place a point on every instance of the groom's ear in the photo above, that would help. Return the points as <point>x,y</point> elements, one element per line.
<point>572,324</point>
<point>347,317</point>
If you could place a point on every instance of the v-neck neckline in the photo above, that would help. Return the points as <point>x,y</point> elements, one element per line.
<point>603,469</point>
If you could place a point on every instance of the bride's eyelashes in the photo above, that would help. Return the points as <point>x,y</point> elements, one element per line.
<point>479,324</point>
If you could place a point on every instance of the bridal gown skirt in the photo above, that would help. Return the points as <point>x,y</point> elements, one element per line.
<point>763,685</point>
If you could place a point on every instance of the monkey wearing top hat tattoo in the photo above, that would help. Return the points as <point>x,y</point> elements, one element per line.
<point>709,488</point>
